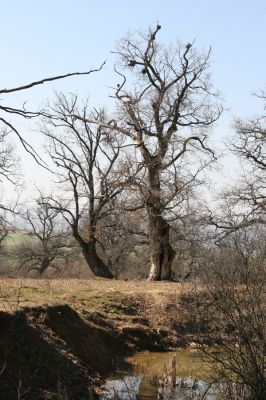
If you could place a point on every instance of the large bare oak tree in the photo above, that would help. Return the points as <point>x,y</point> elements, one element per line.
<point>165,113</point>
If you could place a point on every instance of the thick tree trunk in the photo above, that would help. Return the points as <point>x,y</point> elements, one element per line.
<point>161,251</point>
<point>95,263</point>
<point>44,265</point>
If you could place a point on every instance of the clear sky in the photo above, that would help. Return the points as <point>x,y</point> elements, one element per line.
<point>42,38</point>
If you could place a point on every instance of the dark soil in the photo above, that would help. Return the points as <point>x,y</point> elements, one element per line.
<point>49,352</point>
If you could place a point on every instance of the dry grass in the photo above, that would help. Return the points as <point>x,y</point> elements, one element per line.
<point>19,293</point>
<point>126,306</point>
<point>36,292</point>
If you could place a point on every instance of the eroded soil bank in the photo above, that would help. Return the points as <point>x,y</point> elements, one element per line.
<point>66,347</point>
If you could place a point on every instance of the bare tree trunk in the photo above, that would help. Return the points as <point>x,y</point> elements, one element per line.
<point>44,265</point>
<point>95,263</point>
<point>161,252</point>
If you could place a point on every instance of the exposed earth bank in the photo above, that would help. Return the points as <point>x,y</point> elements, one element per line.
<point>58,339</point>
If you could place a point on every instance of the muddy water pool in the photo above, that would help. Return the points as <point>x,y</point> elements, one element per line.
<point>180,375</point>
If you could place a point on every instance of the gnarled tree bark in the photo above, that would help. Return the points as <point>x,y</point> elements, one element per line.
<point>161,252</point>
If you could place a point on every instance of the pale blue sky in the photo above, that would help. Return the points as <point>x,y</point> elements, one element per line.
<point>43,38</point>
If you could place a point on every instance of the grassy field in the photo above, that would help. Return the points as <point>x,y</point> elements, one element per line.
<point>94,293</point>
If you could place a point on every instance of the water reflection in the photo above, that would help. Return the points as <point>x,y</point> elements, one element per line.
<point>182,375</point>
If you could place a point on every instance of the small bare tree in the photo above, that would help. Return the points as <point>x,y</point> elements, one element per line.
<point>251,141</point>
<point>86,160</point>
<point>245,204</point>
<point>47,240</point>
<point>235,276</point>
<point>251,149</point>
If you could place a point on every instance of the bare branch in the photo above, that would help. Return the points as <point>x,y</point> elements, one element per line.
<point>54,78</point>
